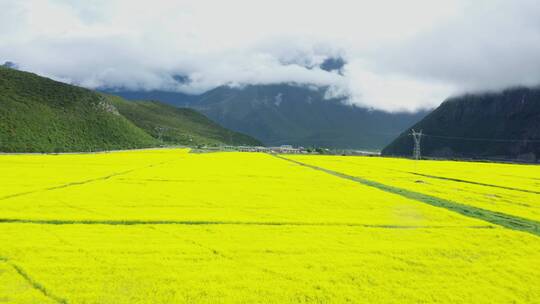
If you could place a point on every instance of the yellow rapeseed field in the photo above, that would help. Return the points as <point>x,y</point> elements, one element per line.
<point>506,188</point>
<point>168,226</point>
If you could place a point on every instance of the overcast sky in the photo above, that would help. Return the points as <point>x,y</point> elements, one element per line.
<point>401,55</point>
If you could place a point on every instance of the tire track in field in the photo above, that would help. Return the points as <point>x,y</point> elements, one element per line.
<point>472,182</point>
<point>35,284</point>
<point>223,255</point>
<point>219,223</point>
<point>231,258</point>
<point>494,217</point>
<point>82,182</point>
<point>446,178</point>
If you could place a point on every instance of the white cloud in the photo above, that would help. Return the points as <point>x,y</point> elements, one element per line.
<point>390,92</point>
<point>403,55</point>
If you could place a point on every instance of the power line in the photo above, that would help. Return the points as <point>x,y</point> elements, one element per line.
<point>481,139</point>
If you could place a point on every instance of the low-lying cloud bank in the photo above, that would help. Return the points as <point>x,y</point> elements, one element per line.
<point>399,55</point>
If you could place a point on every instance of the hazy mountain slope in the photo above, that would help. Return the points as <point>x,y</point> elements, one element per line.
<point>288,114</point>
<point>503,121</point>
<point>41,115</point>
<point>178,125</point>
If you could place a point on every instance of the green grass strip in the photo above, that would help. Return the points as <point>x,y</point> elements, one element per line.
<point>36,284</point>
<point>498,218</point>
<point>472,182</point>
<point>217,223</point>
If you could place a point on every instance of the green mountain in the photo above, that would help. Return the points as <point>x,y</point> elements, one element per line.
<point>495,125</point>
<point>41,115</point>
<point>38,114</point>
<point>178,125</point>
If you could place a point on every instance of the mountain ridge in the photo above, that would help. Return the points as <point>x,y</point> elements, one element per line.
<point>502,125</point>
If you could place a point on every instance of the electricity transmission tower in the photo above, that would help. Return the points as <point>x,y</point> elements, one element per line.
<point>160,131</point>
<point>417,137</point>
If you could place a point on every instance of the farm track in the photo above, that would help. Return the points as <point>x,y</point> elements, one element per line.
<point>498,218</point>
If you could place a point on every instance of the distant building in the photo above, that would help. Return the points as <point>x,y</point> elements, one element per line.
<point>284,149</point>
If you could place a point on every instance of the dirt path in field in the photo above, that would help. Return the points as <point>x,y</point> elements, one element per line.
<point>498,218</point>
